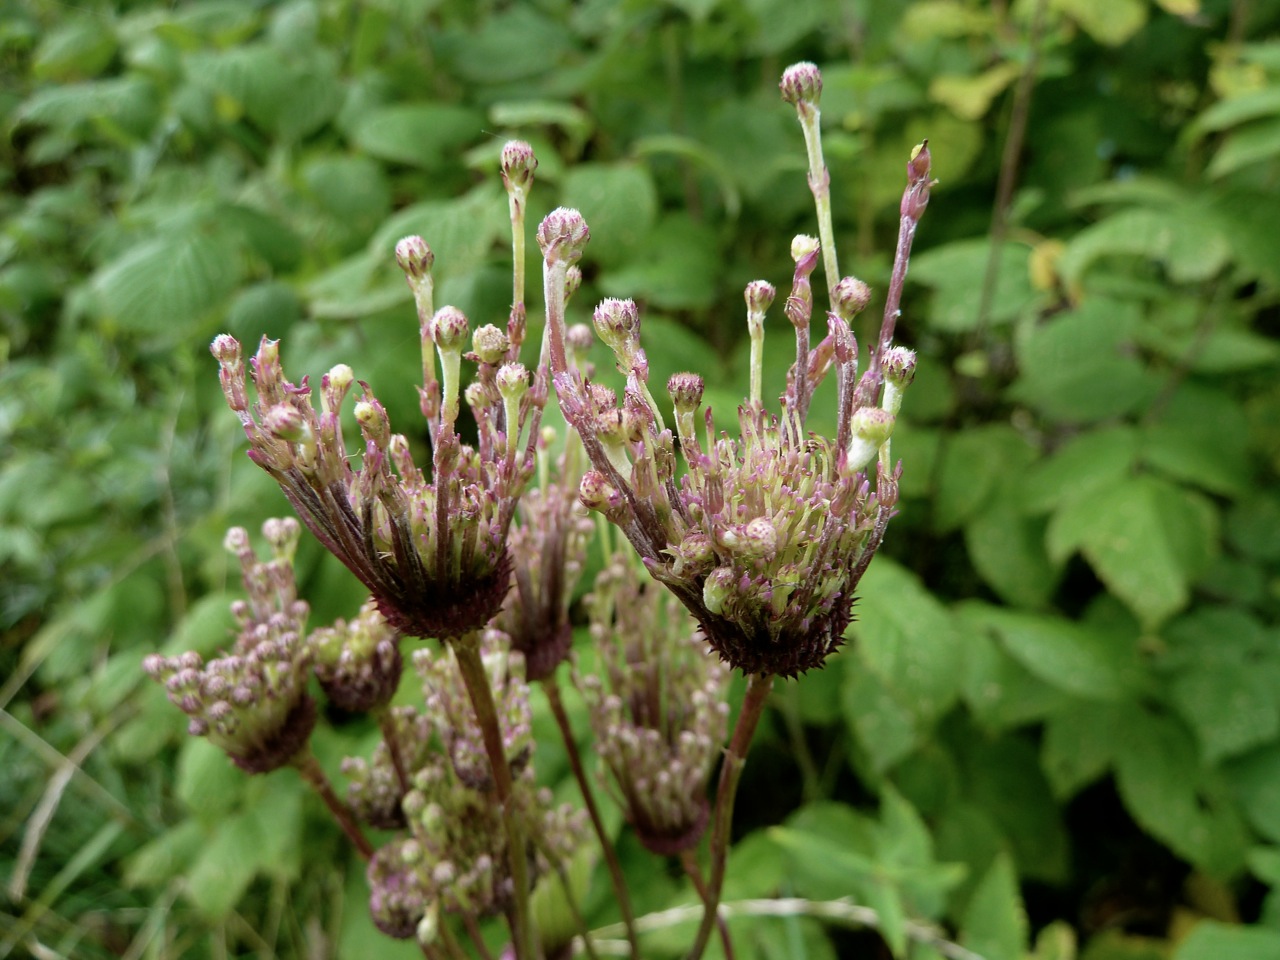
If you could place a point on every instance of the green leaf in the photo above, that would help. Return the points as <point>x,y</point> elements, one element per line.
<point>884,727</point>
<point>955,271</point>
<point>263,310</point>
<point>1231,706</point>
<point>166,857</point>
<point>1087,662</point>
<point>226,863</point>
<point>620,205</point>
<point>995,924</point>
<point>1236,109</point>
<point>1079,367</point>
<point>417,134</point>
<point>131,102</point>
<point>1253,526</point>
<point>167,285</point>
<point>1184,238</point>
<point>207,782</point>
<point>1007,549</point>
<point>1136,537</point>
<point>1000,691</point>
<point>1203,438</point>
<point>1255,780</point>
<point>354,190</point>
<point>1167,792</point>
<point>511,44</point>
<point>907,638</point>
<point>1211,940</point>
<point>1258,142</point>
<point>970,96</point>
<point>1079,745</point>
<point>973,464</point>
<point>1088,462</point>
<point>75,50</point>
<point>672,268</point>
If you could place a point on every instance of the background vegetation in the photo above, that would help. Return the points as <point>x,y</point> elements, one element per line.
<point>1058,728</point>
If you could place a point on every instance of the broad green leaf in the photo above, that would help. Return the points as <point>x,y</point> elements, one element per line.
<point>1079,367</point>
<point>166,857</point>
<point>510,44</point>
<point>906,637</point>
<point>167,285</point>
<point>673,267</point>
<point>1255,779</point>
<point>228,860</point>
<point>1184,238</point>
<point>207,782</point>
<point>995,923</point>
<point>130,103</point>
<point>885,728</point>
<point>1253,526</point>
<point>276,804</point>
<point>1211,940</point>
<point>353,189</point>
<point>1202,437</point>
<point>1086,662</point>
<point>461,232</point>
<point>1231,706</point>
<point>1256,143</point>
<point>1079,745</point>
<point>970,96</point>
<point>1251,215</point>
<point>973,464</point>
<point>1110,22</point>
<point>76,50</point>
<point>1086,463</point>
<point>264,310</point>
<point>1007,549</point>
<point>955,272</point>
<point>1000,691</point>
<point>1235,110</point>
<point>1131,536</point>
<point>620,205</point>
<point>268,236</point>
<point>1166,790</point>
<point>417,134</point>
<point>943,18</point>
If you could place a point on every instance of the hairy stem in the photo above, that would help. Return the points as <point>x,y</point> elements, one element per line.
<point>552,689</point>
<point>466,651</point>
<point>758,687</point>
<point>820,186</point>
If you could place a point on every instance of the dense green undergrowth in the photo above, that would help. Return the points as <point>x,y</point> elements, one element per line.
<point>1057,727</point>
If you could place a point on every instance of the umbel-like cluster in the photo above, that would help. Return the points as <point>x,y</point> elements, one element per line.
<point>763,536</point>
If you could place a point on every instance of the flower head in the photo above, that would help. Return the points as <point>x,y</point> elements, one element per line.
<point>430,548</point>
<point>660,715</point>
<point>358,663</point>
<point>375,790</point>
<point>253,702</point>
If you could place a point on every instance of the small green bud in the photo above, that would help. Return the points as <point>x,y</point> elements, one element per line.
<point>759,295</point>
<point>850,297</point>
<point>572,281</point>
<point>871,427</point>
<point>563,235</point>
<point>686,391</point>
<point>286,422</point>
<point>595,491</point>
<point>718,589</point>
<point>512,380</point>
<point>617,323</point>
<point>518,165</point>
<point>490,344</point>
<point>803,246</point>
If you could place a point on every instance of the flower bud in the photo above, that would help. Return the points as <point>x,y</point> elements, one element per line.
<point>686,391</point>
<point>414,257</point>
<point>512,380</point>
<point>617,323</point>
<point>572,281</point>
<point>871,427</point>
<point>899,366</point>
<point>518,165</point>
<point>286,422</point>
<point>718,589</point>
<point>850,297</point>
<point>579,339</point>
<point>801,83</point>
<point>803,246</point>
<point>449,329</point>
<point>759,296</point>
<point>595,491</point>
<point>562,235</point>
<point>490,344</point>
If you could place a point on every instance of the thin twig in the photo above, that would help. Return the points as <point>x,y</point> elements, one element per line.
<point>311,771</point>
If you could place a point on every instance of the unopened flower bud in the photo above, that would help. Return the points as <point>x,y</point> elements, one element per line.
<point>562,235</point>
<point>512,380</point>
<point>449,329</point>
<point>617,323</point>
<point>759,296</point>
<point>595,491</point>
<point>850,297</point>
<point>718,588</point>
<point>686,391</point>
<point>871,427</point>
<point>572,281</point>
<point>518,164</point>
<point>803,246</point>
<point>579,339</point>
<point>899,366</point>
<point>801,83</point>
<point>756,539</point>
<point>414,257</point>
<point>286,422</point>
<point>490,344</point>
<point>225,348</point>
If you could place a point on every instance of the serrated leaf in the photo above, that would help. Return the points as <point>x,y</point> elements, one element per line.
<point>973,463</point>
<point>884,728</point>
<point>1000,691</point>
<point>1083,661</point>
<point>1131,543</point>
<point>75,50</point>
<point>1231,706</point>
<point>1085,463</point>
<point>1256,781</point>
<point>1007,549</point>
<point>995,923</point>
<point>1211,940</point>
<point>131,102</point>
<point>1202,437</point>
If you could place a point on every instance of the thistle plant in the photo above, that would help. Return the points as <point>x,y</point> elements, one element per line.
<point>749,551</point>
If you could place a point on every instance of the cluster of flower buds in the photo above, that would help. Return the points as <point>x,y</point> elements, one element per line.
<point>659,713</point>
<point>358,663</point>
<point>375,787</point>
<point>448,703</point>
<point>765,536</point>
<point>548,546</point>
<point>432,551</point>
<point>252,703</point>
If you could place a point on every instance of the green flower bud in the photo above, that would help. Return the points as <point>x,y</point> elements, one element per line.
<point>850,298</point>
<point>518,165</point>
<point>490,344</point>
<point>449,329</point>
<point>414,257</point>
<point>801,83</point>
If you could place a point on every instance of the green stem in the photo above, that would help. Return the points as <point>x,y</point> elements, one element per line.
<point>700,887</point>
<point>466,651</point>
<point>758,687</point>
<point>309,767</point>
<point>552,689</point>
<point>517,204</point>
<point>820,185</point>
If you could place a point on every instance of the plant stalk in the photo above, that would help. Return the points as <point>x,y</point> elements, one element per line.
<point>552,689</point>
<point>309,767</point>
<point>758,687</point>
<point>466,651</point>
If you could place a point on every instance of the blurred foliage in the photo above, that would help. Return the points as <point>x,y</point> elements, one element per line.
<point>1057,732</point>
